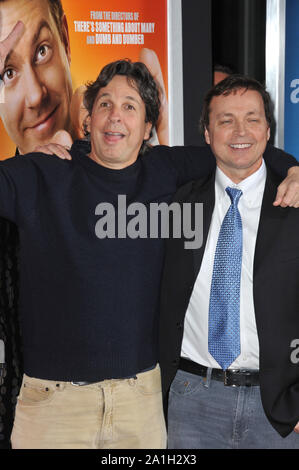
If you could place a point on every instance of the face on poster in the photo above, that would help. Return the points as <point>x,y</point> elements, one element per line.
<point>61,50</point>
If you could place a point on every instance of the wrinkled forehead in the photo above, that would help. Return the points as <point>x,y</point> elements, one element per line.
<point>35,14</point>
<point>121,86</point>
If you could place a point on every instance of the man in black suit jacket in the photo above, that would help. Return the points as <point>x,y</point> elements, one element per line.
<point>210,407</point>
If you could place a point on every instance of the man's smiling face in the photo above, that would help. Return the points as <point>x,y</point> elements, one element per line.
<point>238,132</point>
<point>117,124</point>
<point>37,81</point>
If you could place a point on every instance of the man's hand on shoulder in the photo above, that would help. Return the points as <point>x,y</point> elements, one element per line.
<point>288,191</point>
<point>60,146</point>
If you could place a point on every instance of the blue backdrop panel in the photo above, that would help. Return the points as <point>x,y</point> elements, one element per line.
<point>291,121</point>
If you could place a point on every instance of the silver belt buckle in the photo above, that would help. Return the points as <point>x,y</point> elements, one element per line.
<point>228,379</point>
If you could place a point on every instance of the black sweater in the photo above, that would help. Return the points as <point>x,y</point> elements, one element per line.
<point>88,306</point>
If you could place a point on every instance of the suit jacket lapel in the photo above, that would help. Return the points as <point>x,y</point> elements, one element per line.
<point>206,195</point>
<point>270,221</point>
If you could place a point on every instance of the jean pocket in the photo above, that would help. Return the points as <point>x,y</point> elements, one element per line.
<point>185,383</point>
<point>149,383</point>
<point>31,395</point>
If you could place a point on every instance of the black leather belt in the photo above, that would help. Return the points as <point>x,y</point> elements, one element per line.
<point>230,377</point>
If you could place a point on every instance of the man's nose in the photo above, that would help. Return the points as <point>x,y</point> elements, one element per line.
<point>34,89</point>
<point>240,128</point>
<point>115,114</point>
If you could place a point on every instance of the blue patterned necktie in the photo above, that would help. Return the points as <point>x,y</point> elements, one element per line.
<point>224,310</point>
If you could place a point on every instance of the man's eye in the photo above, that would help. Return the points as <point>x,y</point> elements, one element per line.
<point>104,104</point>
<point>42,53</point>
<point>130,107</point>
<point>8,75</point>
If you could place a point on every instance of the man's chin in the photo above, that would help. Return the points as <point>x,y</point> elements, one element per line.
<point>32,145</point>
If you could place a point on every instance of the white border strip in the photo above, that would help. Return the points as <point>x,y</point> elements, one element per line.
<point>175,72</point>
<point>275,62</point>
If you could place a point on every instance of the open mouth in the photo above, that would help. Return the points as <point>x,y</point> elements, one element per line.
<point>112,137</point>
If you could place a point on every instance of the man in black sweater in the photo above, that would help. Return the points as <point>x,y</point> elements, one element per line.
<point>89,297</point>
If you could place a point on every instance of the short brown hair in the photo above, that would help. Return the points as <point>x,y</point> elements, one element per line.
<point>56,11</point>
<point>232,84</point>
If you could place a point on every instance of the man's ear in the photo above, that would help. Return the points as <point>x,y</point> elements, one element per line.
<point>86,124</point>
<point>147,132</point>
<point>207,136</point>
<point>65,37</point>
<point>268,133</point>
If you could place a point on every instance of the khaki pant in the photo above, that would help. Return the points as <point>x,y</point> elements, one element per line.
<point>113,414</point>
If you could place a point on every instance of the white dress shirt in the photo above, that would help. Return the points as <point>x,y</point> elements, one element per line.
<point>195,339</point>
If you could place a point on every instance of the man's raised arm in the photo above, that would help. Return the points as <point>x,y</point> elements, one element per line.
<point>7,45</point>
<point>286,166</point>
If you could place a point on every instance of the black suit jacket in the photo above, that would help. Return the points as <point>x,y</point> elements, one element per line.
<point>276,298</point>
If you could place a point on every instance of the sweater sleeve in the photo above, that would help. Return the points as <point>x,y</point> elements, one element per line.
<point>189,163</point>
<point>18,188</point>
<point>279,161</point>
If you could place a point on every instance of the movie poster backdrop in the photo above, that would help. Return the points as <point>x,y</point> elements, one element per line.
<point>101,31</point>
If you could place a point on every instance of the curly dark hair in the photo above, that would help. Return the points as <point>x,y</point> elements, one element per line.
<point>230,85</point>
<point>139,77</point>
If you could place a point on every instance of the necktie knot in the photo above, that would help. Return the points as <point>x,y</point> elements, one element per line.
<point>234,195</point>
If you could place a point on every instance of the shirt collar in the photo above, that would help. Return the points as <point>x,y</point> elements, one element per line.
<point>251,186</point>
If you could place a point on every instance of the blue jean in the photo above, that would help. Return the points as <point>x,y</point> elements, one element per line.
<point>205,414</point>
